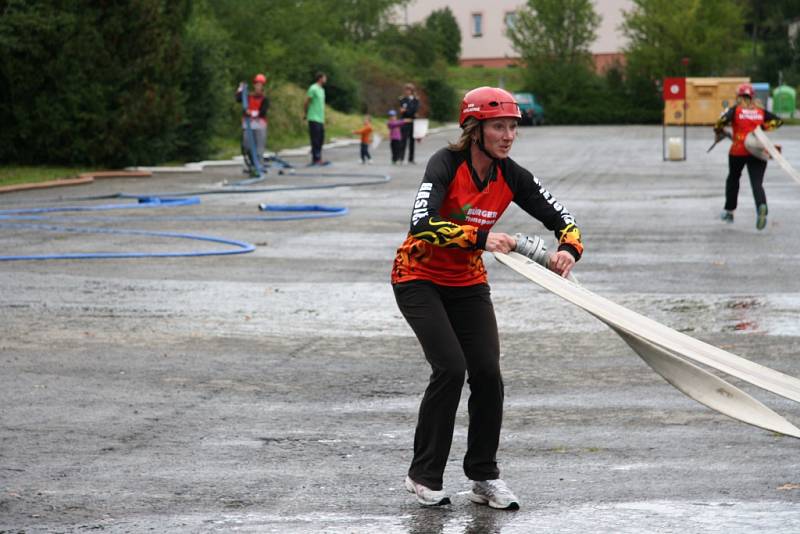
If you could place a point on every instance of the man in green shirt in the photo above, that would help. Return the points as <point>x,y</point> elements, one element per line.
<point>314,113</point>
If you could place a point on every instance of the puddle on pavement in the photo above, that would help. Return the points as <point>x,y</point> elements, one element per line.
<point>466,518</point>
<point>775,315</point>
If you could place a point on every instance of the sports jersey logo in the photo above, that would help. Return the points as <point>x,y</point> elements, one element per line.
<point>462,215</point>
<point>550,199</point>
<point>474,215</point>
<point>421,202</point>
<point>747,114</point>
<point>481,217</point>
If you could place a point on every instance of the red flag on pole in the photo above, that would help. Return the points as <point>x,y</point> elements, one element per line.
<point>674,88</point>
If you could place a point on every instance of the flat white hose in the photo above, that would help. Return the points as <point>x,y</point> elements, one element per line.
<point>776,155</point>
<point>666,351</point>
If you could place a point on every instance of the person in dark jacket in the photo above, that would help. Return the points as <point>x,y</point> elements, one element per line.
<point>409,106</point>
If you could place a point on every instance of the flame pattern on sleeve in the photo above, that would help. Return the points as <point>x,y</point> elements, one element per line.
<point>773,124</point>
<point>442,233</point>
<point>571,235</point>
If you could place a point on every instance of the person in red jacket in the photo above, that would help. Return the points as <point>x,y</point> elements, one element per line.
<point>256,114</point>
<point>743,118</point>
<point>441,288</point>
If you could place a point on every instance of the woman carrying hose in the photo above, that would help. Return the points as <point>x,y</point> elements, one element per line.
<point>745,117</point>
<point>441,288</point>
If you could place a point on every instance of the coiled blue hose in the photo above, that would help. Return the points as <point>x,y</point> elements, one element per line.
<point>148,201</point>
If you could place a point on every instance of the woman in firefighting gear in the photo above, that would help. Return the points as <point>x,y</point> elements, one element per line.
<point>744,117</point>
<point>441,288</point>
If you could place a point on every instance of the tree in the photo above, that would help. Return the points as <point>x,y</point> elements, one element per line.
<point>553,38</point>
<point>409,46</point>
<point>661,33</point>
<point>87,84</point>
<point>205,84</point>
<point>550,32</point>
<point>773,52</point>
<point>361,20</point>
<point>443,27</point>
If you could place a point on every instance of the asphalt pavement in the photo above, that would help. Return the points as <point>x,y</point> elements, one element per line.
<point>276,390</point>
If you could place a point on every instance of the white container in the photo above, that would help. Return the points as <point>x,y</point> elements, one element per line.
<point>675,149</point>
<point>420,128</point>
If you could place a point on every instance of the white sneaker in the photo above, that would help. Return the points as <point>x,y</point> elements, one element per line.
<point>495,493</point>
<point>425,495</point>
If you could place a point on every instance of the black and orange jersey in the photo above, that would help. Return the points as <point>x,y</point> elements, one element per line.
<point>454,210</point>
<point>744,120</point>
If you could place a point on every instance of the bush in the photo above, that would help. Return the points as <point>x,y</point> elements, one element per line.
<point>572,94</point>
<point>90,85</point>
<point>442,99</point>
<point>342,88</point>
<point>205,86</point>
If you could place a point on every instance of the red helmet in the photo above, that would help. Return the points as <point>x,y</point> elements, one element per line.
<point>259,78</point>
<point>488,103</point>
<point>745,90</point>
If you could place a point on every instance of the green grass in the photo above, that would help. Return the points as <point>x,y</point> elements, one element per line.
<point>24,174</point>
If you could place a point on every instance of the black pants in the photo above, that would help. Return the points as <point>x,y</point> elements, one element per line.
<point>407,130</point>
<point>755,169</point>
<point>397,153</point>
<point>316,131</point>
<point>457,329</point>
<point>365,152</point>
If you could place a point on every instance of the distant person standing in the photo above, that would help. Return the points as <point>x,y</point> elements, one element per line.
<point>395,126</point>
<point>409,105</point>
<point>744,117</point>
<point>366,138</point>
<point>257,107</point>
<point>314,113</point>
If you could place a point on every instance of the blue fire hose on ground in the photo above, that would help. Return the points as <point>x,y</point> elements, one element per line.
<point>43,218</point>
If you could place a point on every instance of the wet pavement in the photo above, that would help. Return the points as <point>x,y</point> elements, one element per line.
<point>277,391</point>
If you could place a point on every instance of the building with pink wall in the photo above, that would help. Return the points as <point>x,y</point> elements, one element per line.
<point>483,26</point>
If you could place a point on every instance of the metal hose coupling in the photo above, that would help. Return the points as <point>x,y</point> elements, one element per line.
<point>533,247</point>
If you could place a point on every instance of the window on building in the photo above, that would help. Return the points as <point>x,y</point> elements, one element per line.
<point>477,24</point>
<point>510,19</point>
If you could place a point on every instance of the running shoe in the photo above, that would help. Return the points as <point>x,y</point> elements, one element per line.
<point>425,495</point>
<point>726,216</point>
<point>761,221</point>
<point>495,493</point>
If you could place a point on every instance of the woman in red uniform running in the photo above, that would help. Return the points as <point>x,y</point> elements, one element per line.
<point>441,288</point>
<point>745,117</point>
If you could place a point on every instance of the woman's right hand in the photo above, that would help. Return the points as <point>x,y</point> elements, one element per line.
<point>500,242</point>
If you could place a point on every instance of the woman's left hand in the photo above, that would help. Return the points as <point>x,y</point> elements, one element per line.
<point>561,263</point>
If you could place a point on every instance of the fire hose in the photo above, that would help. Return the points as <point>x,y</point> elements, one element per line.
<point>670,353</point>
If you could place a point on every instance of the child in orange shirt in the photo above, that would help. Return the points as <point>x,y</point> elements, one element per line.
<point>366,138</point>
